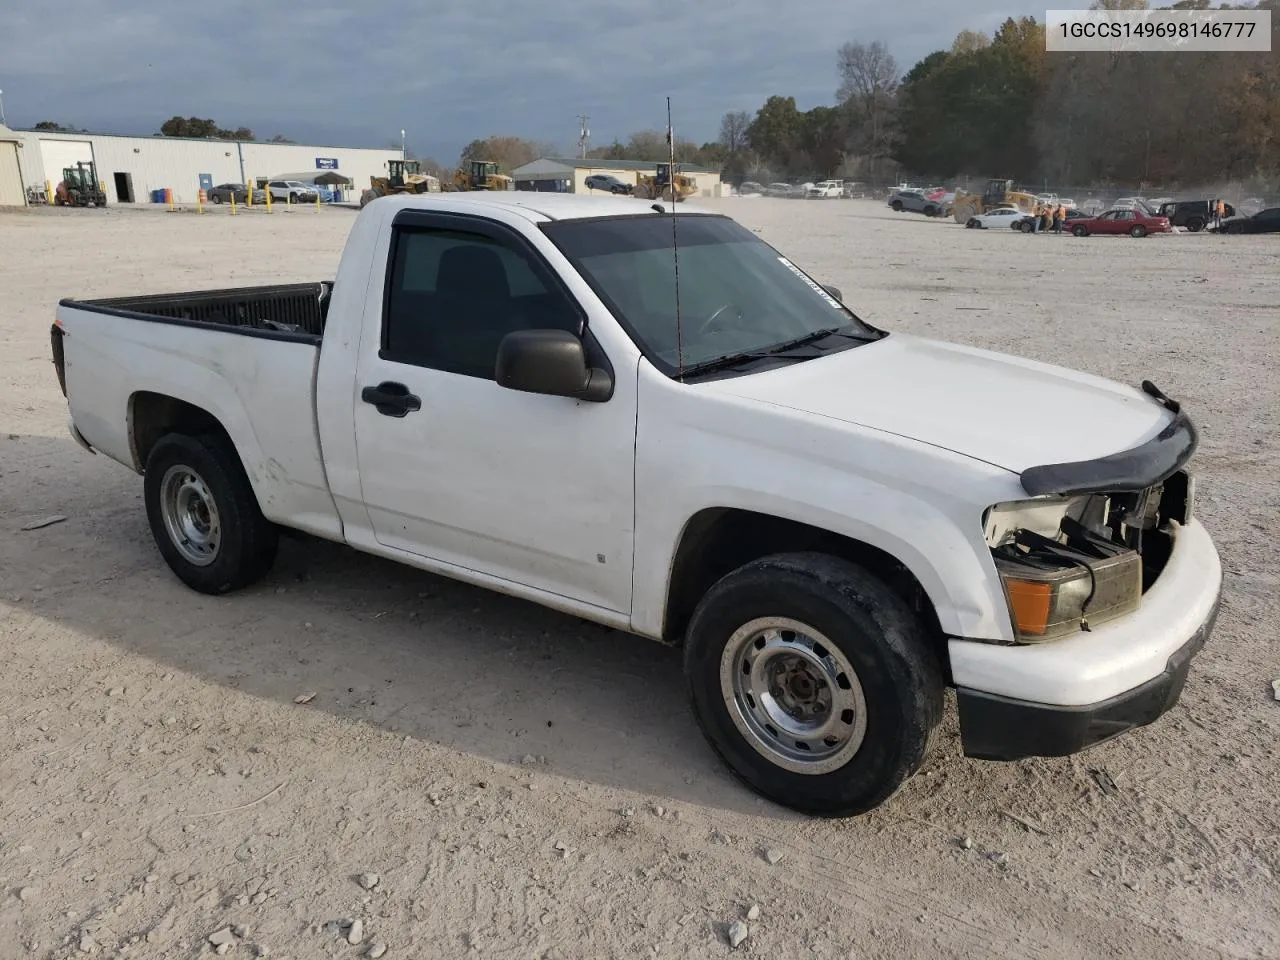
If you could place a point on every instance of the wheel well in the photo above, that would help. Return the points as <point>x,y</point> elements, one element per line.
<point>717,541</point>
<point>152,415</point>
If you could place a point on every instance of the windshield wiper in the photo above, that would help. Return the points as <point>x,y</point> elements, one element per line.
<point>780,351</point>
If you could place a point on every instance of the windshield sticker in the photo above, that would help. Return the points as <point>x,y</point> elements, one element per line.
<point>816,288</point>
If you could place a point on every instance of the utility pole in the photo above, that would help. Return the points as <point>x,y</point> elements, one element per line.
<point>2,123</point>
<point>402,155</point>
<point>584,135</point>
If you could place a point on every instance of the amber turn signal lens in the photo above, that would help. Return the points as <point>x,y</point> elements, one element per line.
<point>1030,603</point>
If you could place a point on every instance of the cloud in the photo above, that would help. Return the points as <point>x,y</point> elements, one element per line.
<point>449,72</point>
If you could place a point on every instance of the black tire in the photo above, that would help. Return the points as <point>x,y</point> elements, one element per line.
<point>970,223</point>
<point>1026,226</point>
<point>1138,231</point>
<point>217,198</point>
<point>247,544</point>
<point>1195,224</point>
<point>1080,231</point>
<point>897,206</point>
<point>876,633</point>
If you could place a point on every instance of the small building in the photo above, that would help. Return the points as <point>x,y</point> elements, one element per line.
<point>569,175</point>
<point>11,192</point>
<point>132,169</point>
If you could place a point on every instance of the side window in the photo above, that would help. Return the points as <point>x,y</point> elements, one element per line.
<point>454,295</point>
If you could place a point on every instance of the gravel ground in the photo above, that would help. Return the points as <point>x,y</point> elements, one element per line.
<point>526,785</point>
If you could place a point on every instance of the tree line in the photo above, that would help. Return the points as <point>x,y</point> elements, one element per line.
<point>1001,105</point>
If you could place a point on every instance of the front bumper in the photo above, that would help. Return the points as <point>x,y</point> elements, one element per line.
<point>1055,698</point>
<point>993,727</point>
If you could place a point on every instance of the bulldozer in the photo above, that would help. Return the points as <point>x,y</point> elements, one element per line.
<point>480,175</point>
<point>998,193</point>
<point>79,187</point>
<point>403,176</point>
<point>660,185</point>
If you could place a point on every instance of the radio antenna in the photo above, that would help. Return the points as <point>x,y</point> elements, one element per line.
<point>675,242</point>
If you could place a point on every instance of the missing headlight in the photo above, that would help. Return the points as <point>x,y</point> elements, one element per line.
<point>1056,588</point>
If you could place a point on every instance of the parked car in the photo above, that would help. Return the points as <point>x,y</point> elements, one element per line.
<point>283,190</point>
<point>1132,221</point>
<point>1194,215</point>
<point>223,193</point>
<point>834,520</point>
<point>824,189</point>
<point>915,201</point>
<point>1265,221</point>
<point>608,183</point>
<point>780,189</point>
<point>1000,217</point>
<point>750,188</point>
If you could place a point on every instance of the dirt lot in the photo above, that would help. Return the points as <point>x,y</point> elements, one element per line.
<point>526,785</point>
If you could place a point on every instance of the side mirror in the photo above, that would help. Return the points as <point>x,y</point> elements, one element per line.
<point>552,362</point>
<point>834,291</point>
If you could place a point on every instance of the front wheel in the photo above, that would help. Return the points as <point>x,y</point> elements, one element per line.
<point>1080,231</point>
<point>970,224</point>
<point>1138,231</point>
<point>897,206</point>
<point>1026,226</point>
<point>217,199</point>
<point>203,513</point>
<point>814,682</point>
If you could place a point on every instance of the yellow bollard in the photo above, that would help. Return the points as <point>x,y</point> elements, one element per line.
<point>200,201</point>
<point>233,203</point>
<point>317,199</point>
<point>168,196</point>
<point>248,190</point>
<point>48,192</point>
<point>268,193</point>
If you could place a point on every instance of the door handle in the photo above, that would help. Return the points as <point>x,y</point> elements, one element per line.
<point>392,399</point>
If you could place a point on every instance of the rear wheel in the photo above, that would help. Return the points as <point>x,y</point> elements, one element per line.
<point>1026,226</point>
<point>897,206</point>
<point>1138,231</point>
<point>970,224</point>
<point>204,515</point>
<point>1195,224</point>
<point>814,682</point>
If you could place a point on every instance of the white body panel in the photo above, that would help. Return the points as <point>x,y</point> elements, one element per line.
<point>900,444</point>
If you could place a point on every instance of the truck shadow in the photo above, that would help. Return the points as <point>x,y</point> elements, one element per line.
<point>376,642</point>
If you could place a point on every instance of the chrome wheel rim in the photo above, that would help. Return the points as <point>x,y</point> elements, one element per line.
<point>190,515</point>
<point>793,695</point>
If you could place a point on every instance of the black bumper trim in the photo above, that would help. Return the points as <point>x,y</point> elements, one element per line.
<point>999,728</point>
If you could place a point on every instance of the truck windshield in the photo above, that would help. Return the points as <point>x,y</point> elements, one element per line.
<point>740,301</point>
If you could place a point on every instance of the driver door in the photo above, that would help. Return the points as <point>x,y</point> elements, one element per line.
<point>527,488</point>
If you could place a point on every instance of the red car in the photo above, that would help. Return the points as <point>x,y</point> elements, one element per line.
<point>1134,222</point>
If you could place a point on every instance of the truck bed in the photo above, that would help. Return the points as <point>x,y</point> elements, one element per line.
<point>297,310</point>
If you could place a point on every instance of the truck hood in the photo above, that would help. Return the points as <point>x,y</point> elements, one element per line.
<point>1003,410</point>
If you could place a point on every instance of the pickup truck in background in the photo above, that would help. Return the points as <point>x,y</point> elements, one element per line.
<point>834,521</point>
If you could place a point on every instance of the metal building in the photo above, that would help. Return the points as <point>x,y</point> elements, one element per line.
<point>132,169</point>
<point>560,175</point>
<point>11,192</point>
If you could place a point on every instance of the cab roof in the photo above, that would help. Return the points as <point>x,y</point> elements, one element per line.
<point>550,206</point>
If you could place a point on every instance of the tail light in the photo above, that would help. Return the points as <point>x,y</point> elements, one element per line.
<point>59,358</point>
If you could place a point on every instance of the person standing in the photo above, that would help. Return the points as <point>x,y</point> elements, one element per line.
<point>1219,208</point>
<point>1035,217</point>
<point>1057,219</point>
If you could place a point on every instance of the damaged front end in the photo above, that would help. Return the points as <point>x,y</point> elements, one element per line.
<point>1095,535</point>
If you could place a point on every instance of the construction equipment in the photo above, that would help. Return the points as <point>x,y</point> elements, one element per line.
<point>403,176</point>
<point>659,186</point>
<point>79,187</point>
<point>481,175</point>
<point>998,193</point>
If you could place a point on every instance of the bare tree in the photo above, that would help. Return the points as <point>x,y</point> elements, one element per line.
<point>1120,5</point>
<point>867,71</point>
<point>733,131</point>
<point>868,83</point>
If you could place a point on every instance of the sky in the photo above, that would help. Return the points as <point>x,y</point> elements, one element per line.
<point>334,72</point>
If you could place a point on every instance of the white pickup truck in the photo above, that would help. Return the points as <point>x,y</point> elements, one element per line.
<point>836,522</point>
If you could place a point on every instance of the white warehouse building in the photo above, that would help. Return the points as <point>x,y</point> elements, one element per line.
<point>131,169</point>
